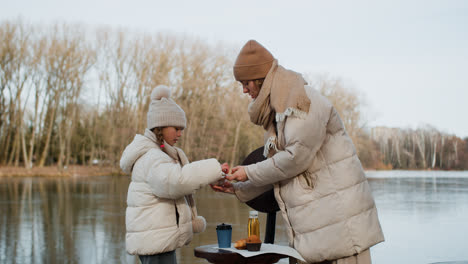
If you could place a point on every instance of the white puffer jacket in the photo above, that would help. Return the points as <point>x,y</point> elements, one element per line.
<point>157,193</point>
<point>320,186</point>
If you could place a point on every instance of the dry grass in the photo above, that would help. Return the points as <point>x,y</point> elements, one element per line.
<point>53,171</point>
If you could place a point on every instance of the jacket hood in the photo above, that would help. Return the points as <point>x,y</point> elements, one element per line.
<point>137,148</point>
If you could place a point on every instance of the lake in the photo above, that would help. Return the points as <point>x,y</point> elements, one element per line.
<point>424,215</point>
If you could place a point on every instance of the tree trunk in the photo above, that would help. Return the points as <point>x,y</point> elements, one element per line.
<point>51,119</point>
<point>234,148</point>
<point>61,143</point>
<point>434,153</point>
<point>419,137</point>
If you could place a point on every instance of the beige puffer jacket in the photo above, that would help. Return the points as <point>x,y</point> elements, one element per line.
<point>320,186</point>
<point>157,191</point>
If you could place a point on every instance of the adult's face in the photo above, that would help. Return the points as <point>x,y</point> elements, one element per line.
<point>172,134</point>
<point>251,88</point>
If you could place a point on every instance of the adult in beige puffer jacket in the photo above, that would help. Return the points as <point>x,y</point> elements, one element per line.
<point>161,215</point>
<point>318,180</point>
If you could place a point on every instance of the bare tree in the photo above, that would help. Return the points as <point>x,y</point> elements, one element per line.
<point>59,62</point>
<point>441,150</point>
<point>115,76</point>
<point>16,72</point>
<point>68,97</point>
<point>347,101</point>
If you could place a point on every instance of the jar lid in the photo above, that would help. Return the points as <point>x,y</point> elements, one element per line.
<point>223,226</point>
<point>253,214</point>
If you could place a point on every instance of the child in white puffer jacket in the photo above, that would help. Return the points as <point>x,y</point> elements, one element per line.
<point>161,214</point>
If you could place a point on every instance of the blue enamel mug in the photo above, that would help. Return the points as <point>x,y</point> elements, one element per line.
<point>224,231</point>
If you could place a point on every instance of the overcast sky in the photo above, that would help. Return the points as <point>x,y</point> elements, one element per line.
<point>409,58</point>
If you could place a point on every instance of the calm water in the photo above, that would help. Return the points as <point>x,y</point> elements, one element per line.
<point>82,220</point>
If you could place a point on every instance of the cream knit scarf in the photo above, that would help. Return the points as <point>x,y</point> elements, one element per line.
<point>198,222</point>
<point>282,95</point>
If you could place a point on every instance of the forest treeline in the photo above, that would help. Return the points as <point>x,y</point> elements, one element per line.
<point>75,95</point>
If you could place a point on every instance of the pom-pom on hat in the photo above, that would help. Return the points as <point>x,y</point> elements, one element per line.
<point>253,62</point>
<point>163,111</point>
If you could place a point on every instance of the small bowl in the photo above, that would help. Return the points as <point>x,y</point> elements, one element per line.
<point>253,246</point>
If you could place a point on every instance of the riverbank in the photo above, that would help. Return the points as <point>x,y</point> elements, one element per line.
<point>53,171</point>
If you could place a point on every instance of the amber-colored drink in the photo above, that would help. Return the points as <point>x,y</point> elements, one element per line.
<point>253,225</point>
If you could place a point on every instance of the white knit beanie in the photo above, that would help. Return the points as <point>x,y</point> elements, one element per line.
<point>163,111</point>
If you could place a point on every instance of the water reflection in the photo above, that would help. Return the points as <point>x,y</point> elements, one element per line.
<point>425,219</point>
<point>82,220</point>
<point>63,220</point>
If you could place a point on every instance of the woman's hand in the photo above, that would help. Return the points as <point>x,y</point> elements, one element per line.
<point>238,174</point>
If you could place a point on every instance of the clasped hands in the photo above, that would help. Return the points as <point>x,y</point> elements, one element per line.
<point>225,185</point>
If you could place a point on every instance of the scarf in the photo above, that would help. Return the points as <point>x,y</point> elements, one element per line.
<point>281,95</point>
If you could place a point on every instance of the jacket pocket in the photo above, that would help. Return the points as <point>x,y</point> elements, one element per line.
<point>176,213</point>
<point>308,180</point>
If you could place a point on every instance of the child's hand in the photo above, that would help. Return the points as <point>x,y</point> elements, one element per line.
<point>225,168</point>
<point>226,187</point>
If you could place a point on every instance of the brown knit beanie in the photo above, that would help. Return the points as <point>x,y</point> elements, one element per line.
<point>253,62</point>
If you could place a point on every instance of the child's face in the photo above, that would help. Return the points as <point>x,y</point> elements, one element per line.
<point>172,134</point>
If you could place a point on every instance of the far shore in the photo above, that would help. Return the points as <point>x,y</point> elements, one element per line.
<point>86,170</point>
<point>54,171</point>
